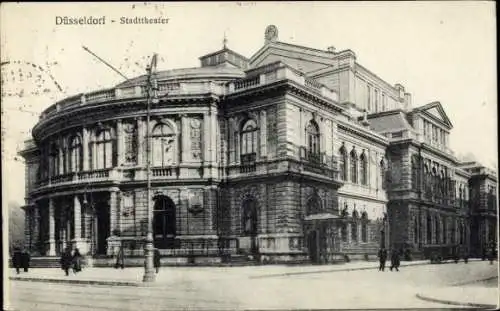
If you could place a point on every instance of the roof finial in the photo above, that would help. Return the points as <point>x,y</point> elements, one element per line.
<point>224,42</point>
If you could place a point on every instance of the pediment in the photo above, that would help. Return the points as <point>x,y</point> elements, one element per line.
<point>301,58</point>
<point>435,111</point>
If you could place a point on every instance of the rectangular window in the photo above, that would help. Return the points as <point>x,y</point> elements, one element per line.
<point>376,101</point>
<point>383,102</point>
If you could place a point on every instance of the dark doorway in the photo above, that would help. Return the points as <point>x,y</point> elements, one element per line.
<point>102,232</point>
<point>250,223</point>
<point>312,244</point>
<point>164,222</point>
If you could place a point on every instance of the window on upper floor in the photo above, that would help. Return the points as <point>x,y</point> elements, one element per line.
<point>103,149</point>
<point>54,160</point>
<point>249,137</point>
<point>75,154</point>
<point>369,97</point>
<point>376,105</point>
<point>343,163</point>
<point>384,102</point>
<point>313,141</point>
<point>363,169</point>
<point>354,166</point>
<point>164,145</point>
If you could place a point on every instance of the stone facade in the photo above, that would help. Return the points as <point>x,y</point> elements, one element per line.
<point>294,154</point>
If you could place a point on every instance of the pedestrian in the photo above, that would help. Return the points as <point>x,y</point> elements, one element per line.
<point>17,259</point>
<point>25,260</point>
<point>394,259</point>
<point>382,256</point>
<point>120,261</point>
<point>65,260</point>
<point>156,259</point>
<point>77,261</point>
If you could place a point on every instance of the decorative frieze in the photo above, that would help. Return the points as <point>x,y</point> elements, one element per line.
<point>130,142</point>
<point>195,136</point>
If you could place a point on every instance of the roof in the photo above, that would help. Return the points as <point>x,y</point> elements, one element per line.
<point>395,121</point>
<point>184,73</point>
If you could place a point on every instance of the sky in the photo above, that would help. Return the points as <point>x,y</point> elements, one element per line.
<point>440,51</point>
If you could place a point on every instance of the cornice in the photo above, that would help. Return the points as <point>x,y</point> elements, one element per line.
<point>371,136</point>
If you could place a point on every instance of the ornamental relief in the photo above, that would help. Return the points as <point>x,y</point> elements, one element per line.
<point>130,140</point>
<point>195,136</point>
<point>246,193</point>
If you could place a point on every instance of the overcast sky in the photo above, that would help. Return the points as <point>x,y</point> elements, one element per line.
<point>442,51</point>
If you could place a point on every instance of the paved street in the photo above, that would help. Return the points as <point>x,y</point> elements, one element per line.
<point>263,287</point>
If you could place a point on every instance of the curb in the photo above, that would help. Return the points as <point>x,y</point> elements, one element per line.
<point>330,270</point>
<point>82,282</point>
<point>456,303</point>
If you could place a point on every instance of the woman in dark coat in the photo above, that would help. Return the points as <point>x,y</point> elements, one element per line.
<point>77,261</point>
<point>17,259</point>
<point>25,260</point>
<point>382,256</point>
<point>156,259</point>
<point>66,259</point>
<point>394,260</point>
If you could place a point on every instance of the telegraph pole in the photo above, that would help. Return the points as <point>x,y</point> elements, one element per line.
<point>152,87</point>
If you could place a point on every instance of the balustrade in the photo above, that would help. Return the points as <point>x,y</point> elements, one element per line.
<point>247,83</point>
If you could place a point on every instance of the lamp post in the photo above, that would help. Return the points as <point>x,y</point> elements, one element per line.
<point>152,87</point>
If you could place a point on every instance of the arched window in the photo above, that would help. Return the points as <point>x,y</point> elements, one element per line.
<point>354,166</point>
<point>164,145</point>
<point>164,222</point>
<point>414,173</point>
<point>249,218</point>
<point>75,154</point>
<point>54,160</point>
<point>313,135</point>
<point>364,169</point>
<point>104,149</point>
<point>249,138</point>
<point>342,164</point>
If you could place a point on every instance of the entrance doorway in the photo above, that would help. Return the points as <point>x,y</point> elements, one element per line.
<point>102,228</point>
<point>164,222</point>
<point>313,245</point>
<point>250,226</point>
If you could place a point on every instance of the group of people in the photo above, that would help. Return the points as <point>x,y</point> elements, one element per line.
<point>21,259</point>
<point>395,260</point>
<point>70,260</point>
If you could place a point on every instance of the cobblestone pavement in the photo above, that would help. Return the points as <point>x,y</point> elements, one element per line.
<point>241,288</point>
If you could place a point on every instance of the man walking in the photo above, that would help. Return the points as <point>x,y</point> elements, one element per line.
<point>17,259</point>
<point>382,256</point>
<point>66,260</point>
<point>394,259</point>
<point>25,260</point>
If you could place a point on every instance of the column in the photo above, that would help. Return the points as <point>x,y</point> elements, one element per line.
<point>113,240</point>
<point>141,147</point>
<point>185,139</point>
<point>231,142</point>
<point>60,169</point>
<point>28,216</point>
<point>85,148</point>
<point>77,221</point>
<point>51,249</point>
<point>263,134</point>
<point>120,143</point>
<point>35,236</point>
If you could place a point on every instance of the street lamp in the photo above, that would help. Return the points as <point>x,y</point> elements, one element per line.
<point>152,87</point>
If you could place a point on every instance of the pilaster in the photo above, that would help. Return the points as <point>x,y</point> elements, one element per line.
<point>141,142</point>
<point>120,144</point>
<point>263,134</point>
<point>85,148</point>
<point>213,134</point>
<point>185,139</point>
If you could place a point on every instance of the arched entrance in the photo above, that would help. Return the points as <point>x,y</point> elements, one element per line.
<point>315,230</point>
<point>164,222</point>
<point>249,226</point>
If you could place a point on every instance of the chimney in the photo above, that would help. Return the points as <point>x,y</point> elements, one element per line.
<point>331,49</point>
<point>408,104</point>
<point>401,90</point>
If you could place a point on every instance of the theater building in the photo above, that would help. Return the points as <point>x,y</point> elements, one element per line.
<point>294,154</point>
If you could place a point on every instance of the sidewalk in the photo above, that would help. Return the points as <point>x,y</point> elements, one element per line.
<point>475,297</point>
<point>168,275</point>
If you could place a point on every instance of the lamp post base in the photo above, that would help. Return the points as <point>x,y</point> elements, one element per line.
<point>149,271</point>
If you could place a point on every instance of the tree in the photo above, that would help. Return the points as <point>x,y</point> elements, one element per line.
<point>16,225</point>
